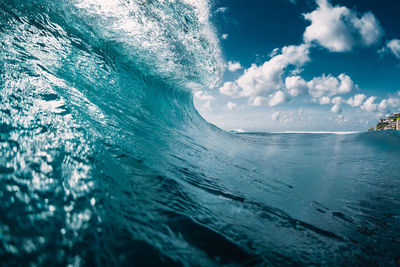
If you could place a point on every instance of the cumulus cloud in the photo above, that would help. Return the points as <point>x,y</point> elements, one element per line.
<point>277,98</point>
<point>337,109</point>
<point>324,87</point>
<point>356,100</point>
<point>202,95</point>
<point>325,100</point>
<point>393,47</point>
<point>295,85</point>
<point>369,28</point>
<point>383,106</point>
<point>321,88</point>
<point>338,100</point>
<point>234,66</point>
<point>386,104</point>
<point>329,85</point>
<point>369,104</point>
<point>231,105</point>
<point>224,36</point>
<point>339,29</point>
<point>229,88</point>
<point>394,101</point>
<point>263,84</point>
<point>259,80</point>
<point>258,100</point>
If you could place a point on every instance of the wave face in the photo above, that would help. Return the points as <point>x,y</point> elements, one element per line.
<point>104,160</point>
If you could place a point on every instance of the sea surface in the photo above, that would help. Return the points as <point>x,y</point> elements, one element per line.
<point>104,160</point>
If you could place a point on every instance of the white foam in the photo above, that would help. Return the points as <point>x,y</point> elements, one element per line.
<point>175,38</point>
<point>317,132</point>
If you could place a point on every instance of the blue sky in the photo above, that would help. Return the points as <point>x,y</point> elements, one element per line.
<point>305,65</point>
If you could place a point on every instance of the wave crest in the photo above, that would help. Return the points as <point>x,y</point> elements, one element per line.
<point>172,39</point>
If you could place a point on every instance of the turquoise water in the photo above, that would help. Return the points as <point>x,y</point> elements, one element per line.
<point>104,159</point>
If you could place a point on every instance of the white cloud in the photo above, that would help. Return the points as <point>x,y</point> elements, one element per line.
<point>329,85</point>
<point>274,52</point>
<point>202,95</point>
<point>393,47</point>
<point>263,84</point>
<point>356,100</point>
<point>369,104</point>
<point>337,109</point>
<point>277,98</point>
<point>259,80</point>
<point>275,116</point>
<point>234,66</point>
<point>394,102</point>
<point>339,29</point>
<point>337,100</point>
<point>231,105</point>
<point>257,101</point>
<point>295,85</point>
<point>324,100</point>
<point>224,36</point>
<point>386,104</point>
<point>229,88</point>
<point>383,106</point>
<point>221,9</point>
<point>369,28</point>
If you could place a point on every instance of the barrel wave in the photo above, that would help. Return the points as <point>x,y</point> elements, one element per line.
<point>104,159</point>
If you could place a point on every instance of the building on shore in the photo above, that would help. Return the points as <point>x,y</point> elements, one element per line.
<point>398,124</point>
<point>390,122</point>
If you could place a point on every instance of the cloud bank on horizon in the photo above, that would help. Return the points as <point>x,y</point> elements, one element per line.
<point>279,80</point>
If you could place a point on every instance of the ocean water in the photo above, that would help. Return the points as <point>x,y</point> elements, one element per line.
<point>104,159</point>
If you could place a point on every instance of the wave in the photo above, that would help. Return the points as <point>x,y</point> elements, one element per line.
<point>172,39</point>
<point>104,159</point>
